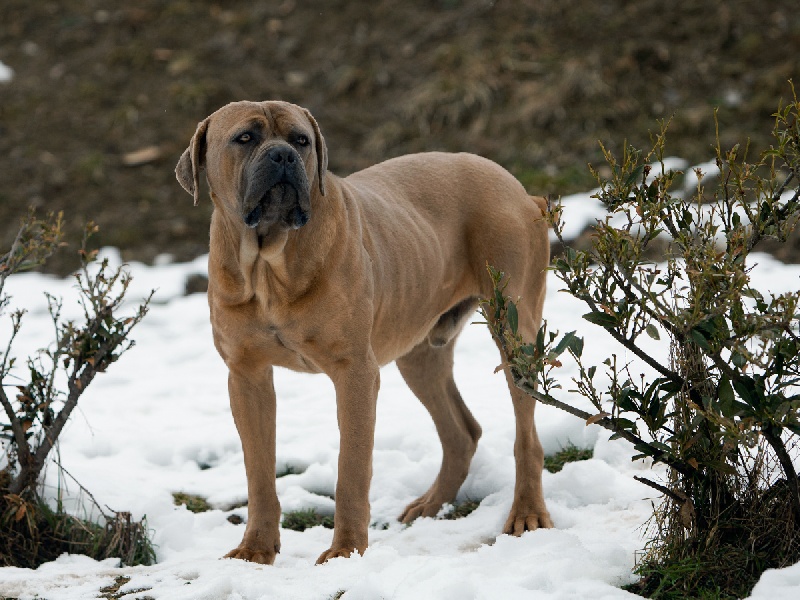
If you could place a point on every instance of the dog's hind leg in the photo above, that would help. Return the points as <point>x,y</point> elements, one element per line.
<point>428,371</point>
<point>528,510</point>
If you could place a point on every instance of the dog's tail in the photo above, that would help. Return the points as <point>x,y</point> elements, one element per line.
<point>541,202</point>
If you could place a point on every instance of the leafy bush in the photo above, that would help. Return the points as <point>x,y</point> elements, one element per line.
<point>31,532</point>
<point>720,406</point>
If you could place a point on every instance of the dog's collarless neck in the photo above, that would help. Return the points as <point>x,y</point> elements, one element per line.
<point>244,266</point>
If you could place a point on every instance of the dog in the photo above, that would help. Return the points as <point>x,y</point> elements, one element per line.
<point>322,274</point>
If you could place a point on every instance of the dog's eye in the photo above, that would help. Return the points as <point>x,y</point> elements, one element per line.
<point>301,140</point>
<point>244,138</point>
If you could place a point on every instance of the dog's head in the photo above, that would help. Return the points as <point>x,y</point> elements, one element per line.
<point>261,159</point>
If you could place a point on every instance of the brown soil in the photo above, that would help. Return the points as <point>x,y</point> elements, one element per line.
<point>533,85</point>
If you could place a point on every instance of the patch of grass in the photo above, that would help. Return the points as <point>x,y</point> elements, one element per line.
<point>571,453</point>
<point>300,520</point>
<point>193,502</point>
<point>461,510</point>
<point>337,595</point>
<point>698,577</point>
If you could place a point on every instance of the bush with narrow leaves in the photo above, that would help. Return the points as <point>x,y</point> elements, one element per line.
<point>722,404</point>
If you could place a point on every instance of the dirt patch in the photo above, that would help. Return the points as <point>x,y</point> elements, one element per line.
<point>106,94</point>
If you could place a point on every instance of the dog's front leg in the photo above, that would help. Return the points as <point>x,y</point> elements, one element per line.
<point>252,396</point>
<point>356,395</point>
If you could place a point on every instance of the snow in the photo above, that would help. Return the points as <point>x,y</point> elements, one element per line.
<point>6,73</point>
<point>158,422</point>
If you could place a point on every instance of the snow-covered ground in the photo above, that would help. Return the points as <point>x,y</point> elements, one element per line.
<point>158,422</point>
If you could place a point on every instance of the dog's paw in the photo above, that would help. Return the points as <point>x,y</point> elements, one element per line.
<point>261,556</point>
<point>337,552</point>
<point>421,507</point>
<point>518,523</point>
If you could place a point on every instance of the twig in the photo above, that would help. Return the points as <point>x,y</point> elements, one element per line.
<point>608,423</point>
<point>646,358</point>
<point>779,193</point>
<point>23,450</point>
<point>664,490</point>
<point>788,468</point>
<point>84,490</point>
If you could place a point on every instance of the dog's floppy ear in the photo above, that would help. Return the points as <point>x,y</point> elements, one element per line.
<point>322,152</point>
<point>192,160</point>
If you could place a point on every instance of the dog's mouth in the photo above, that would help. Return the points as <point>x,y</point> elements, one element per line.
<point>280,204</point>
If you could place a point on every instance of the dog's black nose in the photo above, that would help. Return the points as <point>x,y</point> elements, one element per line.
<point>281,155</point>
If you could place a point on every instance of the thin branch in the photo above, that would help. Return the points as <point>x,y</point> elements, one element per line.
<point>664,490</point>
<point>788,468</point>
<point>7,264</point>
<point>83,489</point>
<point>23,450</point>
<point>607,423</point>
<point>646,358</point>
<point>779,193</point>
<point>76,385</point>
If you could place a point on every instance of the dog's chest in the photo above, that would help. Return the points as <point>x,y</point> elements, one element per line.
<point>286,350</point>
<point>245,335</point>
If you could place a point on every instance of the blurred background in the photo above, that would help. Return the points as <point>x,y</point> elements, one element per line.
<point>103,96</point>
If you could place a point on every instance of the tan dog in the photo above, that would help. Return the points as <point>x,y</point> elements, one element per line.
<point>321,274</point>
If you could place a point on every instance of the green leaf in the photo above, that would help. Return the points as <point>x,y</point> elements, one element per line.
<point>625,403</point>
<point>746,389</point>
<point>512,317</point>
<point>634,175</point>
<point>601,318</point>
<point>576,345</point>
<point>625,424</point>
<point>738,359</point>
<point>726,396</point>
<point>653,409</point>
<point>652,235</point>
<point>766,211</point>
<point>540,341</point>
<point>652,331</point>
<point>699,339</point>
<point>570,340</point>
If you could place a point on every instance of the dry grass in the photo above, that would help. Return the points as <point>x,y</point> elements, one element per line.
<point>726,557</point>
<point>31,533</point>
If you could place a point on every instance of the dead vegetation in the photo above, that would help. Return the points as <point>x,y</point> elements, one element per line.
<point>32,531</point>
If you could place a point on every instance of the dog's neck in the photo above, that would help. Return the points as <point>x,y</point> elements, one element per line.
<point>282,263</point>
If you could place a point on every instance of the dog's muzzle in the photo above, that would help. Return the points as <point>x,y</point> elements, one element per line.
<point>280,195</point>
<point>277,190</point>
